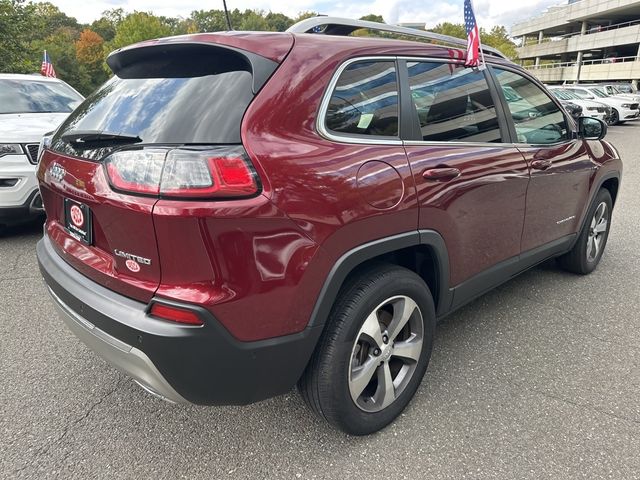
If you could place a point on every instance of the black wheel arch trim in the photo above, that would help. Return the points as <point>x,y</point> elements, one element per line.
<point>355,257</point>
<point>592,195</point>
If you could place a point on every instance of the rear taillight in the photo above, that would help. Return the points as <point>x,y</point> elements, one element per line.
<point>136,171</point>
<point>175,314</point>
<point>220,172</point>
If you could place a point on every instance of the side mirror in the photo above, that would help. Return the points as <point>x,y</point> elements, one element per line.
<point>591,128</point>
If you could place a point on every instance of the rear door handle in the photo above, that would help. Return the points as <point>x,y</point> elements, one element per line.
<point>541,164</point>
<point>442,173</point>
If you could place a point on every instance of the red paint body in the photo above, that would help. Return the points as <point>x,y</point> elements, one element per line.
<point>259,264</point>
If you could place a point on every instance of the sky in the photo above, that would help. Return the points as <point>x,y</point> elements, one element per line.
<point>431,12</point>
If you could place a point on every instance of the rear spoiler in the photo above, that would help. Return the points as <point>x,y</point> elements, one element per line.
<point>188,59</point>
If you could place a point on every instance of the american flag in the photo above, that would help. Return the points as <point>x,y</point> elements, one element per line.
<point>47,67</point>
<point>473,36</point>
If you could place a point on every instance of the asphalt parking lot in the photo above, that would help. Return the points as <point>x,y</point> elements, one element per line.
<point>538,379</point>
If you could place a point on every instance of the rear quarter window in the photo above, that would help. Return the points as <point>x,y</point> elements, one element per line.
<point>364,101</point>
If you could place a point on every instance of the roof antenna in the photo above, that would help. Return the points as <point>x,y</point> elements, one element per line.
<point>226,14</point>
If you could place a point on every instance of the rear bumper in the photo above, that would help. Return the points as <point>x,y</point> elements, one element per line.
<point>181,363</point>
<point>124,357</point>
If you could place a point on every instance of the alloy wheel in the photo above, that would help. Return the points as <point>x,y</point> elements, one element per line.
<point>597,232</point>
<point>385,353</point>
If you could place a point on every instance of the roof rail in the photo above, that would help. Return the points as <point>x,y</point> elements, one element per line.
<point>344,26</point>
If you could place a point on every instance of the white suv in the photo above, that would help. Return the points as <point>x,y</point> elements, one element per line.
<point>30,106</point>
<point>590,108</point>
<point>623,109</point>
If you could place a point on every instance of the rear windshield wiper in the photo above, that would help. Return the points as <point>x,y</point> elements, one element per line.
<point>94,138</point>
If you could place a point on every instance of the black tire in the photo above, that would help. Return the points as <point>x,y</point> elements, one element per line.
<point>326,382</point>
<point>577,260</point>
<point>614,119</point>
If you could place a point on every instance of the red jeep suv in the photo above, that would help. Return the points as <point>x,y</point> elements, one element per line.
<point>235,213</point>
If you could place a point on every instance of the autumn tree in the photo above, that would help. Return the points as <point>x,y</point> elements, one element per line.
<point>90,55</point>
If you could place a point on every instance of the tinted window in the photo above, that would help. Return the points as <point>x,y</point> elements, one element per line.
<point>365,100</point>
<point>29,96</point>
<point>537,118</point>
<point>205,109</point>
<point>453,103</point>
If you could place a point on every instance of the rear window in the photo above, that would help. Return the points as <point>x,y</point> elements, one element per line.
<point>29,96</point>
<point>197,110</point>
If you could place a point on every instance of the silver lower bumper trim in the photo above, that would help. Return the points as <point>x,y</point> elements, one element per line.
<point>124,357</point>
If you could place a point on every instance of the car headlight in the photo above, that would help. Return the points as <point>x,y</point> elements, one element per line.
<point>626,105</point>
<point>45,143</point>
<point>10,149</point>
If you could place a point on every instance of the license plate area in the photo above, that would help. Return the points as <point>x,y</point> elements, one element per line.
<point>78,221</point>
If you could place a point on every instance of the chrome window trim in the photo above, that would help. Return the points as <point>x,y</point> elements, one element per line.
<point>326,99</point>
<point>328,135</point>
<point>411,143</point>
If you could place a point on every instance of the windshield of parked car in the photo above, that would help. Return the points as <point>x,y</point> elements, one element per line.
<point>565,95</point>
<point>33,96</point>
<point>599,93</point>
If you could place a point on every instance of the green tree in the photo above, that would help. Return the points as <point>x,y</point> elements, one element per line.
<point>61,48</point>
<point>107,24</point>
<point>452,29</point>
<point>209,20</point>
<point>304,16</point>
<point>278,22</point>
<point>50,19</point>
<point>497,37</point>
<point>253,20</point>
<point>373,18</point>
<point>17,25</point>
<point>136,27</point>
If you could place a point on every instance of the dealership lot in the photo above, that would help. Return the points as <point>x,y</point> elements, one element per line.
<point>537,379</point>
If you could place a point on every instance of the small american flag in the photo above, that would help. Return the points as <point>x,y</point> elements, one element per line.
<point>473,36</point>
<point>47,67</point>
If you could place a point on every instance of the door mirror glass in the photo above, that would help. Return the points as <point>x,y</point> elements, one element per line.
<point>592,128</point>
